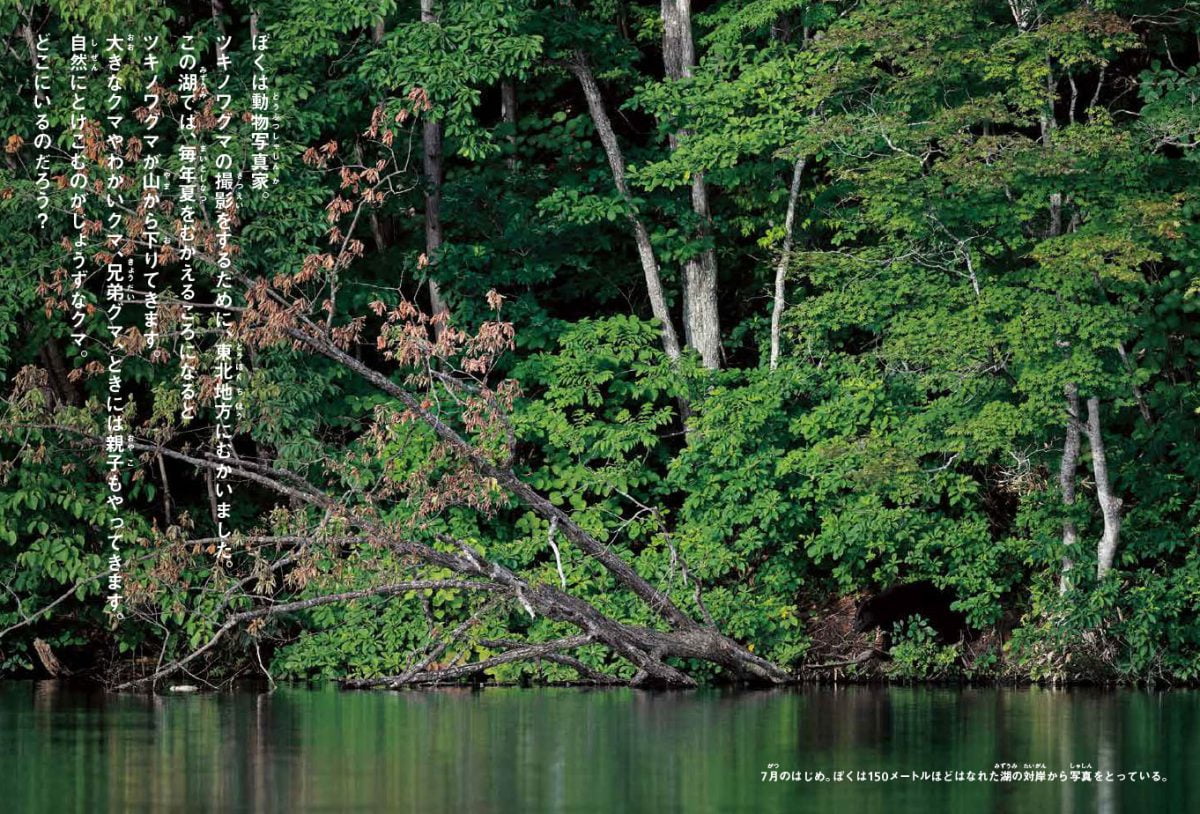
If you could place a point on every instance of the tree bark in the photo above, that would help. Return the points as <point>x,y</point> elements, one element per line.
<point>1070,457</point>
<point>1066,481</point>
<point>701,318</point>
<point>616,162</point>
<point>431,133</point>
<point>1110,504</point>
<point>785,256</point>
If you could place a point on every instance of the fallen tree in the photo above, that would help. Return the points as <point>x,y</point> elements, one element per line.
<point>440,377</point>
<point>456,365</point>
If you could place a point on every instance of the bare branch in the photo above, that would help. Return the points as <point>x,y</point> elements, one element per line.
<point>304,604</point>
<point>524,653</point>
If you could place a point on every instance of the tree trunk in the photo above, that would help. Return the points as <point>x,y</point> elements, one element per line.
<point>217,8</point>
<point>1110,504</point>
<point>701,319</point>
<point>616,162</point>
<point>59,371</point>
<point>1070,457</point>
<point>1048,122</point>
<point>378,29</point>
<point>432,165</point>
<point>785,257</point>
<point>508,115</point>
<point>1066,480</point>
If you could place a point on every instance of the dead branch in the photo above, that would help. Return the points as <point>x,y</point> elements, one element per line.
<point>523,653</point>
<point>303,604</point>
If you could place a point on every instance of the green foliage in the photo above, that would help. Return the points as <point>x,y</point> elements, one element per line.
<point>990,208</point>
<point>471,46</point>
<point>917,655</point>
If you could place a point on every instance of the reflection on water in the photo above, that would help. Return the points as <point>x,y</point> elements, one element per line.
<point>572,750</point>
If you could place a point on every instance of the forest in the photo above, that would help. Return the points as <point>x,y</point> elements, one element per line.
<point>601,342</point>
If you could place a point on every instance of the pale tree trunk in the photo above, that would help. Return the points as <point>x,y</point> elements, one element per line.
<point>1025,14</point>
<point>1070,457</point>
<point>785,256</point>
<point>432,165</point>
<point>1066,480</point>
<point>701,319</point>
<point>616,162</point>
<point>1110,504</point>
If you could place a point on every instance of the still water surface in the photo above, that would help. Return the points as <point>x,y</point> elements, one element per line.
<point>572,750</point>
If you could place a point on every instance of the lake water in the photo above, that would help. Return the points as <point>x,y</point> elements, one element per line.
<point>575,750</point>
